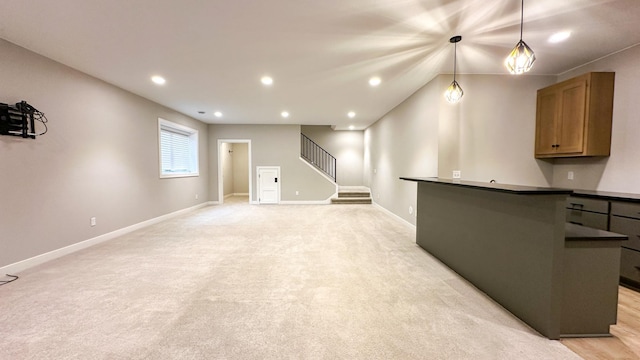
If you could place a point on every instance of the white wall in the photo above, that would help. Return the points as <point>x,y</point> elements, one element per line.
<point>240,158</point>
<point>346,146</point>
<point>497,130</point>
<point>99,159</point>
<point>619,172</point>
<point>403,143</point>
<point>488,135</point>
<point>226,159</point>
<point>272,145</point>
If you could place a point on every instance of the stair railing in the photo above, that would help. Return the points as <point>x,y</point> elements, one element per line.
<point>317,156</point>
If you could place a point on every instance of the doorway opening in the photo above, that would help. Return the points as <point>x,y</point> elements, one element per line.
<point>234,169</point>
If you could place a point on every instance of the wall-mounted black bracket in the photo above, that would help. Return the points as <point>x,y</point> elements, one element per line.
<point>19,120</point>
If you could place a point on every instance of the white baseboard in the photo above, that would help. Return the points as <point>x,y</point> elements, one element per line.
<point>236,194</point>
<point>393,215</point>
<point>54,254</point>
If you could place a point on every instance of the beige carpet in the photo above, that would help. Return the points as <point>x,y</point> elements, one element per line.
<point>241,281</point>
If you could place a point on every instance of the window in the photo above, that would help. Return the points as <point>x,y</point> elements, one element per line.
<point>178,150</point>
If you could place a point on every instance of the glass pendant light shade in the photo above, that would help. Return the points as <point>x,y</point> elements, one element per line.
<point>521,59</point>
<point>454,92</point>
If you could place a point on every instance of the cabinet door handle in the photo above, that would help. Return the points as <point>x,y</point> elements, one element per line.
<point>575,222</point>
<point>576,204</point>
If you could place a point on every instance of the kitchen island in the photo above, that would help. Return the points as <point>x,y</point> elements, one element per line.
<point>512,243</point>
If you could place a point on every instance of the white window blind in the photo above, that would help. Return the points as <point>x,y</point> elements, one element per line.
<point>178,150</point>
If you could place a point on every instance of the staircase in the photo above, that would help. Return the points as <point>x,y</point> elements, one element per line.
<point>352,195</point>
<point>318,157</point>
<point>327,165</point>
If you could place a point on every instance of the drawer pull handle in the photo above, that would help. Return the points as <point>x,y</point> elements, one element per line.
<point>576,204</point>
<point>578,223</point>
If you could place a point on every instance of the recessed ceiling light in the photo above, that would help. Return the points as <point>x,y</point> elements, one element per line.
<point>351,127</point>
<point>267,80</point>
<point>351,114</point>
<point>375,81</point>
<point>158,79</point>
<point>284,114</point>
<point>559,36</point>
<point>217,114</point>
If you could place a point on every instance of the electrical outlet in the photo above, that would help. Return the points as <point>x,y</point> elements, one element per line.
<point>410,210</point>
<point>456,174</point>
<point>197,196</point>
<point>297,192</point>
<point>92,221</point>
<point>570,175</point>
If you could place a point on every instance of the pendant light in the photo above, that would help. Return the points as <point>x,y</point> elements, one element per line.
<point>521,58</point>
<point>454,91</point>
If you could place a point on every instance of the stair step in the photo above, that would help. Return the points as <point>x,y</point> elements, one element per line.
<point>351,200</point>
<point>353,194</point>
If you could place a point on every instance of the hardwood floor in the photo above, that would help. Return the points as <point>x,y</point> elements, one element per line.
<point>625,343</point>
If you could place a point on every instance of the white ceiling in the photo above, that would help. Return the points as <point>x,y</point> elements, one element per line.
<point>321,54</point>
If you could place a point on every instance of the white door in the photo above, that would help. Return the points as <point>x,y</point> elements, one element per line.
<point>268,184</point>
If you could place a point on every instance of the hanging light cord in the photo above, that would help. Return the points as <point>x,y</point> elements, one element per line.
<point>521,18</point>
<point>455,52</point>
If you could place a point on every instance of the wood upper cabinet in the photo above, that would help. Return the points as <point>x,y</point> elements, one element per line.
<point>573,117</point>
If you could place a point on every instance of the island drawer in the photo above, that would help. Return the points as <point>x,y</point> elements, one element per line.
<point>590,219</point>
<point>630,266</point>
<point>629,227</point>
<point>625,209</point>
<point>584,204</point>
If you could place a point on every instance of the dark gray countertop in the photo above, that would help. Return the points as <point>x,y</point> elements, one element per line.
<point>607,195</point>
<point>530,190</point>
<point>575,232</point>
<point>513,189</point>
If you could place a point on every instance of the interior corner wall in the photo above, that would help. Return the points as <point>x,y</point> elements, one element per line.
<point>449,128</point>
<point>488,135</point>
<point>98,159</point>
<point>403,143</point>
<point>497,119</point>
<point>620,172</point>
<point>347,146</point>
<point>272,145</point>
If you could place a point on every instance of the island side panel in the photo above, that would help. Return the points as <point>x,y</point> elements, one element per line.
<point>590,290</point>
<point>508,245</point>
